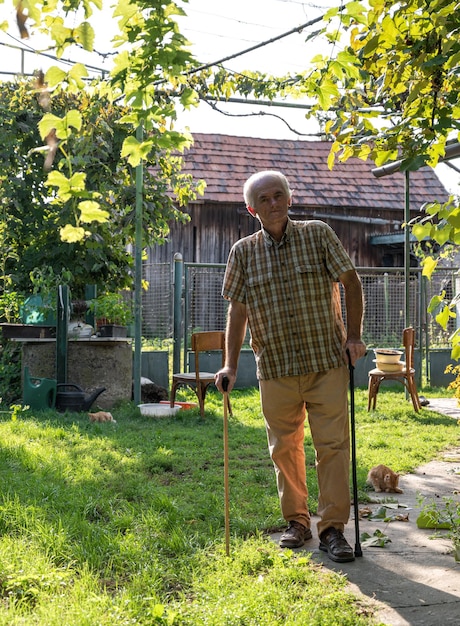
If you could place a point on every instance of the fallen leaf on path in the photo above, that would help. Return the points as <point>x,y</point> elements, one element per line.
<point>377,540</point>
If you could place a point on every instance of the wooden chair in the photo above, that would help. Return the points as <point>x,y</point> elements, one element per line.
<point>199,381</point>
<point>406,376</point>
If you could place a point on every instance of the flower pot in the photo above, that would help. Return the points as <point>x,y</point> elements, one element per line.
<point>113,330</point>
<point>439,359</point>
<point>27,331</point>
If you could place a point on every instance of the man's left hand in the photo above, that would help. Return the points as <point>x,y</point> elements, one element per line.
<point>356,348</point>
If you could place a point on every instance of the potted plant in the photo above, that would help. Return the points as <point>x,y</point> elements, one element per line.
<point>443,515</point>
<point>113,314</point>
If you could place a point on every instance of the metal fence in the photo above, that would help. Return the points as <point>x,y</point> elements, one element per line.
<point>157,301</point>
<point>203,307</point>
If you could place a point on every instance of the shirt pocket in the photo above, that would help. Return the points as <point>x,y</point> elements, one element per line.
<point>258,280</point>
<point>311,279</point>
<point>259,291</point>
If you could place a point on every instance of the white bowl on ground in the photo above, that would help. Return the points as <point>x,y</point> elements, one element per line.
<point>155,409</point>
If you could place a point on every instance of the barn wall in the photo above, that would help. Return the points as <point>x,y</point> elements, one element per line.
<point>213,228</point>
<point>208,236</point>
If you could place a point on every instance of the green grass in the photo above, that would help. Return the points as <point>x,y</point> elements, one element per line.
<point>124,523</point>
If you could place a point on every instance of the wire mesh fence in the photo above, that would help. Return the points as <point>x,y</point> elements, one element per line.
<point>157,301</point>
<point>385,317</point>
<point>203,307</point>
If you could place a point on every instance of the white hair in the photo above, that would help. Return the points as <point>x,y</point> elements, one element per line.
<point>248,189</point>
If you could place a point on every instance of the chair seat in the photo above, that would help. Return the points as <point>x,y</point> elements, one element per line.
<point>399,374</point>
<point>192,376</point>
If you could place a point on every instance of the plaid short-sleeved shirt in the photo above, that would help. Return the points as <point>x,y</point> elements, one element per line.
<point>292,297</point>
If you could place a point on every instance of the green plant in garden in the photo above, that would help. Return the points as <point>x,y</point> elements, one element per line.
<point>45,282</point>
<point>154,51</point>
<point>10,368</point>
<point>442,514</point>
<point>70,146</point>
<point>455,384</point>
<point>113,308</point>
<point>30,216</point>
<point>11,303</point>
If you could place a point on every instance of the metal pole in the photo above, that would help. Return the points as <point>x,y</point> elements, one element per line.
<point>407,249</point>
<point>61,333</point>
<point>177,312</point>
<point>419,370</point>
<point>387,304</point>
<point>427,336</point>
<point>138,278</point>
<point>186,314</point>
<point>90,294</point>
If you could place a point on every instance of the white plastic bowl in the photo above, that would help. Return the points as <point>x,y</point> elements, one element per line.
<point>387,355</point>
<point>158,410</point>
<point>390,367</point>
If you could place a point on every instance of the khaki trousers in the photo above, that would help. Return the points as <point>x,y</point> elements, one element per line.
<point>324,396</point>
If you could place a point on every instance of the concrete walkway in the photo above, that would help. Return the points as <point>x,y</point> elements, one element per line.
<point>414,579</point>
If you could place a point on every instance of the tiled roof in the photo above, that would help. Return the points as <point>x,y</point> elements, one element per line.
<point>226,161</point>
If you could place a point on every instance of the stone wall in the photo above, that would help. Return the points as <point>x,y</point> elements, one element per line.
<point>90,364</point>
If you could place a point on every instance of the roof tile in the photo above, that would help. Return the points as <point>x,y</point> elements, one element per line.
<point>226,161</point>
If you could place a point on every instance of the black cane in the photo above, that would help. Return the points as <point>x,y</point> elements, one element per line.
<point>358,550</point>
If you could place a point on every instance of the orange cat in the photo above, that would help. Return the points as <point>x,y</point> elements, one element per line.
<point>101,416</point>
<point>382,478</point>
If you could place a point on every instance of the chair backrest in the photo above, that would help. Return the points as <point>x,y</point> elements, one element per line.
<point>207,341</point>
<point>409,345</point>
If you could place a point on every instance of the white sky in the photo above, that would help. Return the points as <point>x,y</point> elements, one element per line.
<point>218,29</point>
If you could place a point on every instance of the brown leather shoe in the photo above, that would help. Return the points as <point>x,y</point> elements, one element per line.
<point>295,535</point>
<point>334,543</point>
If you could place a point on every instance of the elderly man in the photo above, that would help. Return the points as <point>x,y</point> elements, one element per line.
<point>283,282</point>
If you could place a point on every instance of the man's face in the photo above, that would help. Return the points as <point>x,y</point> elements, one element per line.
<point>270,203</point>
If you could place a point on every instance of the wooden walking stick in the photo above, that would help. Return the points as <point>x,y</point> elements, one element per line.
<point>225,382</point>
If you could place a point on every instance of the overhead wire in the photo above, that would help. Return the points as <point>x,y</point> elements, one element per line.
<point>202,67</point>
<point>266,42</point>
<point>50,56</point>
<point>261,44</point>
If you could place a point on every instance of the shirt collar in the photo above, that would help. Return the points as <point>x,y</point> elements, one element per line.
<point>269,241</point>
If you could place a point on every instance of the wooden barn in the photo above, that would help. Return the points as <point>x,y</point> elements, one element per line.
<point>366,212</point>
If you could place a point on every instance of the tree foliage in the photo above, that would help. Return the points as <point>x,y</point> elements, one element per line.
<point>70,145</point>
<point>394,87</point>
<point>33,214</point>
<point>389,81</point>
